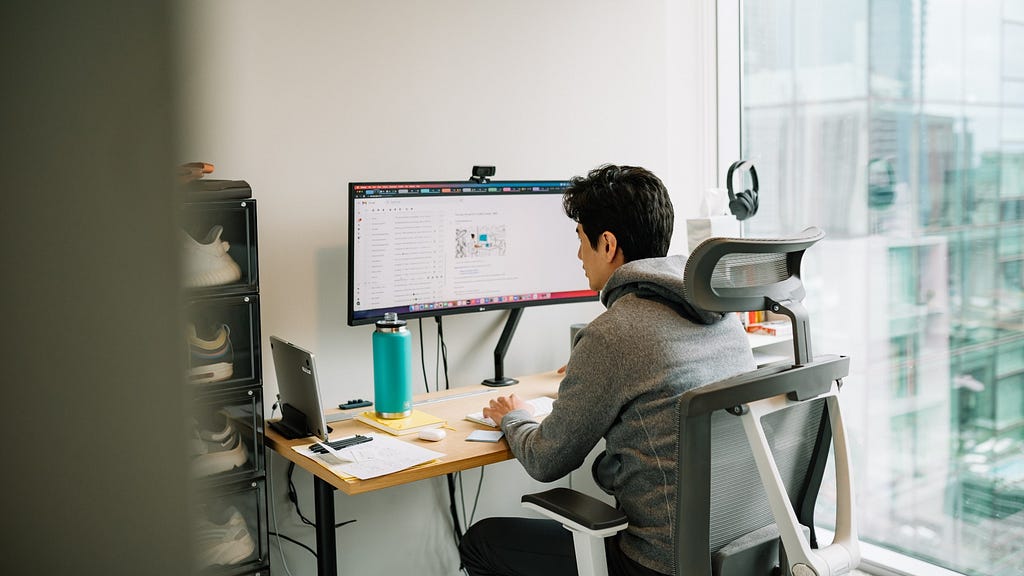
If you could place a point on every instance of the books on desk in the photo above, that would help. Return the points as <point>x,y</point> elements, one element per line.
<point>541,407</point>
<point>412,423</point>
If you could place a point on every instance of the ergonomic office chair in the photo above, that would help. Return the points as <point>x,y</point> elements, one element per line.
<point>752,448</point>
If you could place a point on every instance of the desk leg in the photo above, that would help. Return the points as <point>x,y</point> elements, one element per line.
<point>326,545</point>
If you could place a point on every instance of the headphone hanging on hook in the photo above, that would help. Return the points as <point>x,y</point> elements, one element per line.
<point>744,204</point>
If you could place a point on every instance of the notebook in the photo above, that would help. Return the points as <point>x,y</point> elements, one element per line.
<point>398,426</point>
<point>302,413</point>
<point>541,407</point>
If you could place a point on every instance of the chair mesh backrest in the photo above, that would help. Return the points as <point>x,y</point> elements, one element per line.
<point>744,270</point>
<point>739,504</point>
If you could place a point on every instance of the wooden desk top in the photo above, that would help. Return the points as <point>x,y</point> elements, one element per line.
<point>452,405</point>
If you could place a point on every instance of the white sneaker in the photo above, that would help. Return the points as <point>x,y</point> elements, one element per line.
<point>221,435</point>
<point>213,457</point>
<point>208,263</point>
<point>210,360</point>
<point>223,544</point>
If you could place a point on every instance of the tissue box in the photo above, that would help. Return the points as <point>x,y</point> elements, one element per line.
<point>700,229</point>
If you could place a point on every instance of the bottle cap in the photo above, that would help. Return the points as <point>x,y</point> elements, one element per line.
<point>390,323</point>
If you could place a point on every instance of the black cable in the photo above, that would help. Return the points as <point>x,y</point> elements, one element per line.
<point>456,528</point>
<point>437,363</point>
<point>444,351</point>
<point>462,498</point>
<point>293,541</point>
<point>423,357</point>
<point>476,499</point>
<point>293,496</point>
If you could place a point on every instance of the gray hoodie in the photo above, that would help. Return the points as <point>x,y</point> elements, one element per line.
<point>626,370</point>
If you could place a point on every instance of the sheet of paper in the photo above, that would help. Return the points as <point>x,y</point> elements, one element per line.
<point>382,455</point>
<point>541,407</point>
<point>484,436</point>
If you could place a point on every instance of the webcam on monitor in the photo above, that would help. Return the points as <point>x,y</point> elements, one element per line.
<point>482,173</point>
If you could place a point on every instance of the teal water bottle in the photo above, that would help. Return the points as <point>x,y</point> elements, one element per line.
<point>392,368</point>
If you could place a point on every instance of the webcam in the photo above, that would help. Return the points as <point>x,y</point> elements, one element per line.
<point>482,174</point>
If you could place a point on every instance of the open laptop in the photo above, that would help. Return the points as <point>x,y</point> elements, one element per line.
<point>302,413</point>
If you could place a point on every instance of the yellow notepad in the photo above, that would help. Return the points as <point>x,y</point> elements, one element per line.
<point>412,423</point>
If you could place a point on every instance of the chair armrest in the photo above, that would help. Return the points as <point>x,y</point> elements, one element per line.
<point>577,511</point>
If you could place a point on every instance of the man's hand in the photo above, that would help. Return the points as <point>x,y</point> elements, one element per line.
<point>502,405</point>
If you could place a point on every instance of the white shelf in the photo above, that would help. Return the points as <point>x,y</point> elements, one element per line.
<point>758,341</point>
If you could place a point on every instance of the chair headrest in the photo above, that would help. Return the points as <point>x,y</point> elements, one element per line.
<point>746,274</point>
<point>750,274</point>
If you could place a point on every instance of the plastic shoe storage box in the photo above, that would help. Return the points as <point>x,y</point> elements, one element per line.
<point>224,376</point>
<point>249,499</point>
<point>236,416</point>
<point>238,220</point>
<point>241,315</point>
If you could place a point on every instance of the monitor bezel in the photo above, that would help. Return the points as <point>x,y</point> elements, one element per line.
<point>405,314</point>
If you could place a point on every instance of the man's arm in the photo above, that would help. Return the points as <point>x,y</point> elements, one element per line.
<point>589,399</point>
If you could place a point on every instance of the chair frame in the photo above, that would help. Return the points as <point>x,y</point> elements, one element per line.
<point>750,397</point>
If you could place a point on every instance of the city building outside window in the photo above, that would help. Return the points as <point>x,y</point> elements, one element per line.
<point>897,126</point>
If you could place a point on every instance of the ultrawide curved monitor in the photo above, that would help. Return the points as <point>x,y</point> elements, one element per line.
<point>434,248</point>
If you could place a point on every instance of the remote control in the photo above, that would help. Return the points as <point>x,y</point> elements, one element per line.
<point>357,403</point>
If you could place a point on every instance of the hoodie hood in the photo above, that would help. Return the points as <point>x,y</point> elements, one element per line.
<point>659,279</point>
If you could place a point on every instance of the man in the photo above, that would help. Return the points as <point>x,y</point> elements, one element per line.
<point>626,370</point>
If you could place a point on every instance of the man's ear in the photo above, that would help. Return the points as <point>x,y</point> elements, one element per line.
<point>610,246</point>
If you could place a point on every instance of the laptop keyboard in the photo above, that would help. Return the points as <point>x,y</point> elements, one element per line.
<point>339,444</point>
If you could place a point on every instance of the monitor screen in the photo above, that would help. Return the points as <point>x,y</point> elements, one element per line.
<point>433,248</point>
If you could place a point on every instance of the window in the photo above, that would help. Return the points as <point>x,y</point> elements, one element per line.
<point>897,126</point>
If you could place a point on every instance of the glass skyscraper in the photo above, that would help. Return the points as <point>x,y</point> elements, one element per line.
<point>897,126</point>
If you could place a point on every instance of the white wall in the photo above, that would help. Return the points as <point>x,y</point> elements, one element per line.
<point>301,98</point>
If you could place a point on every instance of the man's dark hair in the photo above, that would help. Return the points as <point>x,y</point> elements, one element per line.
<point>627,201</point>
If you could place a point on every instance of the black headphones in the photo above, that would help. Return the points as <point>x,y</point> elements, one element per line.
<point>743,205</point>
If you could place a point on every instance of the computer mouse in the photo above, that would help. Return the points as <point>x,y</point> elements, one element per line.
<point>433,434</point>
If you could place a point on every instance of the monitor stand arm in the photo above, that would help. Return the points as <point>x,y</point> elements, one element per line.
<point>502,347</point>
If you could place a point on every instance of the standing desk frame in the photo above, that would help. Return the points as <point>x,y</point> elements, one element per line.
<point>452,405</point>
